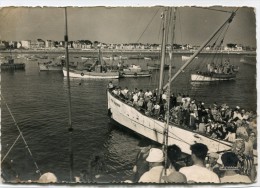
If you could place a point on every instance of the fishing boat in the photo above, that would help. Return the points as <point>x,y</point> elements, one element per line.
<point>51,65</point>
<point>216,73</point>
<point>134,71</point>
<point>127,116</point>
<point>211,76</point>
<point>98,70</point>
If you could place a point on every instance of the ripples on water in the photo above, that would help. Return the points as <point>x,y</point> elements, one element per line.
<point>38,101</point>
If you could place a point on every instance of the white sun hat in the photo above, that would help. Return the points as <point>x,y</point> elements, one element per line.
<point>155,155</point>
<point>48,178</point>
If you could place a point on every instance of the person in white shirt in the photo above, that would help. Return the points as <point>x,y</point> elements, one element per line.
<point>155,159</point>
<point>198,173</point>
<point>230,162</point>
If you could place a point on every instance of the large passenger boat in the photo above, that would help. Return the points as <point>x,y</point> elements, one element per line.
<point>126,115</point>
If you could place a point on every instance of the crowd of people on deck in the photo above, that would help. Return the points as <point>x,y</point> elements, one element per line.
<point>218,121</point>
<point>223,68</point>
<point>205,167</point>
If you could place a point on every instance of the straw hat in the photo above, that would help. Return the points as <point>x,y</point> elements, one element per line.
<point>155,155</point>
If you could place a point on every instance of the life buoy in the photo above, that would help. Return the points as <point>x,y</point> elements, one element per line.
<point>135,74</point>
<point>82,74</point>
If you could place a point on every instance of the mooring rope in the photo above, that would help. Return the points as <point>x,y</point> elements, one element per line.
<point>10,148</point>
<point>20,135</point>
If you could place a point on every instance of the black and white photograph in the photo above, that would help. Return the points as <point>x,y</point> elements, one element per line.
<point>130,95</point>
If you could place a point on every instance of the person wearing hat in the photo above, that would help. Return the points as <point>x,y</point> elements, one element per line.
<point>155,159</point>
<point>198,173</point>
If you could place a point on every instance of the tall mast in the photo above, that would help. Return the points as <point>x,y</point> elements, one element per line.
<point>169,91</point>
<point>163,49</point>
<point>229,20</point>
<point>66,38</point>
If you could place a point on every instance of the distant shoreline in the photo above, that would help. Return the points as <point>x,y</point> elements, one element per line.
<point>124,52</point>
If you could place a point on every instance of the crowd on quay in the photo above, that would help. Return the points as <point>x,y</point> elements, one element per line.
<point>150,166</point>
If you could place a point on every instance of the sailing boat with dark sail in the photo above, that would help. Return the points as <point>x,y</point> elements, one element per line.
<point>127,115</point>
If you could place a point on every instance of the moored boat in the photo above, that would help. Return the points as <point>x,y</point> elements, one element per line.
<point>128,116</point>
<point>126,113</point>
<point>50,66</point>
<point>134,71</point>
<point>185,57</point>
<point>74,73</point>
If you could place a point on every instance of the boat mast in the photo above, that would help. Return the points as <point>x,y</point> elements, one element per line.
<point>169,92</point>
<point>163,50</point>
<point>70,129</point>
<point>228,21</point>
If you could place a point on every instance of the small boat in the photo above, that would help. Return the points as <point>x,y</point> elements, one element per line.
<point>85,57</point>
<point>154,66</point>
<point>51,66</point>
<point>185,57</point>
<point>207,77</point>
<point>123,57</point>
<point>11,65</point>
<point>133,68</point>
<point>134,71</point>
<point>148,58</point>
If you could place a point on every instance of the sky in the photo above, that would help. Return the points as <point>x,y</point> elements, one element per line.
<point>124,24</point>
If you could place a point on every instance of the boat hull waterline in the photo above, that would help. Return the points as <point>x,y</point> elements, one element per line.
<point>92,75</point>
<point>205,78</point>
<point>153,129</point>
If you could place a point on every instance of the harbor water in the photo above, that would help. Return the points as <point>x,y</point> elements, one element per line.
<point>39,103</point>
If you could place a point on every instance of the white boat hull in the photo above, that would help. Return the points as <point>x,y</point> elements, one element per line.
<point>203,78</point>
<point>185,58</point>
<point>92,75</point>
<point>151,128</point>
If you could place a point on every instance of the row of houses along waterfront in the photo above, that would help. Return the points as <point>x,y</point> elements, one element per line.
<point>86,44</point>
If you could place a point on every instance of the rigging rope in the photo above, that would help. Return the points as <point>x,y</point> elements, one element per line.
<point>148,24</point>
<point>21,134</point>
<point>10,148</point>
